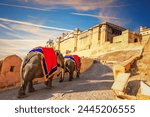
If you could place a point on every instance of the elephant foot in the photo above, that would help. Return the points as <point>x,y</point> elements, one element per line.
<point>49,83</point>
<point>21,95</point>
<point>49,87</point>
<point>78,76</point>
<point>70,79</point>
<point>31,90</point>
<point>61,79</point>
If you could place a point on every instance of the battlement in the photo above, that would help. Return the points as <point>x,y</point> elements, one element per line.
<point>144,30</point>
<point>96,37</point>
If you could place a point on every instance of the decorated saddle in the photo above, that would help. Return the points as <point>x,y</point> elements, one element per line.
<point>49,61</point>
<point>75,58</point>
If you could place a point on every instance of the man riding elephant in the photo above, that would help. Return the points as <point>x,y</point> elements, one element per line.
<point>39,62</point>
<point>72,63</point>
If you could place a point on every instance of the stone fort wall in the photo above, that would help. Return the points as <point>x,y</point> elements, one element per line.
<point>95,37</point>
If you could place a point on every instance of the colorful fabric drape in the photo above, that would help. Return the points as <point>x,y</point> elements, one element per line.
<point>49,62</point>
<point>75,58</point>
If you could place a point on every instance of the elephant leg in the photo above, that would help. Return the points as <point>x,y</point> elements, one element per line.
<point>27,76</point>
<point>70,76</point>
<point>21,92</point>
<point>78,74</point>
<point>31,88</point>
<point>61,79</point>
<point>49,83</point>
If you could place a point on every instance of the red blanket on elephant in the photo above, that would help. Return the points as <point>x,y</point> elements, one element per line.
<point>75,58</point>
<point>49,62</point>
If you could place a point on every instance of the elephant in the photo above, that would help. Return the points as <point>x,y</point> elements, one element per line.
<point>70,67</point>
<point>31,68</point>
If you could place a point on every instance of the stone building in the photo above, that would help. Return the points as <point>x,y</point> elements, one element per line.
<point>10,71</point>
<point>95,37</point>
<point>145,32</point>
<point>128,37</point>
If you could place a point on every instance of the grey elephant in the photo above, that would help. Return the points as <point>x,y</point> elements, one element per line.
<point>71,64</point>
<point>31,68</point>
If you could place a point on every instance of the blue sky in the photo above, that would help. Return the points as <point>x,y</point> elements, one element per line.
<point>25,24</point>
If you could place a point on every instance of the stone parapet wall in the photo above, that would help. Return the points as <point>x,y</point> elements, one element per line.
<point>10,71</point>
<point>92,38</point>
<point>128,37</point>
<point>102,37</point>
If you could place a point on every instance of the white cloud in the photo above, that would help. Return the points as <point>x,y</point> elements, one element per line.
<point>28,36</point>
<point>25,7</point>
<point>31,32</point>
<point>5,27</point>
<point>107,15</point>
<point>97,16</point>
<point>108,9</point>
<point>76,4</point>
<point>31,24</point>
<point>19,47</point>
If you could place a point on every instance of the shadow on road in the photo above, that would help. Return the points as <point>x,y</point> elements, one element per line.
<point>98,77</point>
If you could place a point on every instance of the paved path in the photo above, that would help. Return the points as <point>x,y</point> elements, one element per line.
<point>94,84</point>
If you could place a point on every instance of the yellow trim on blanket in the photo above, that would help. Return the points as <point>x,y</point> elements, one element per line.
<point>46,79</point>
